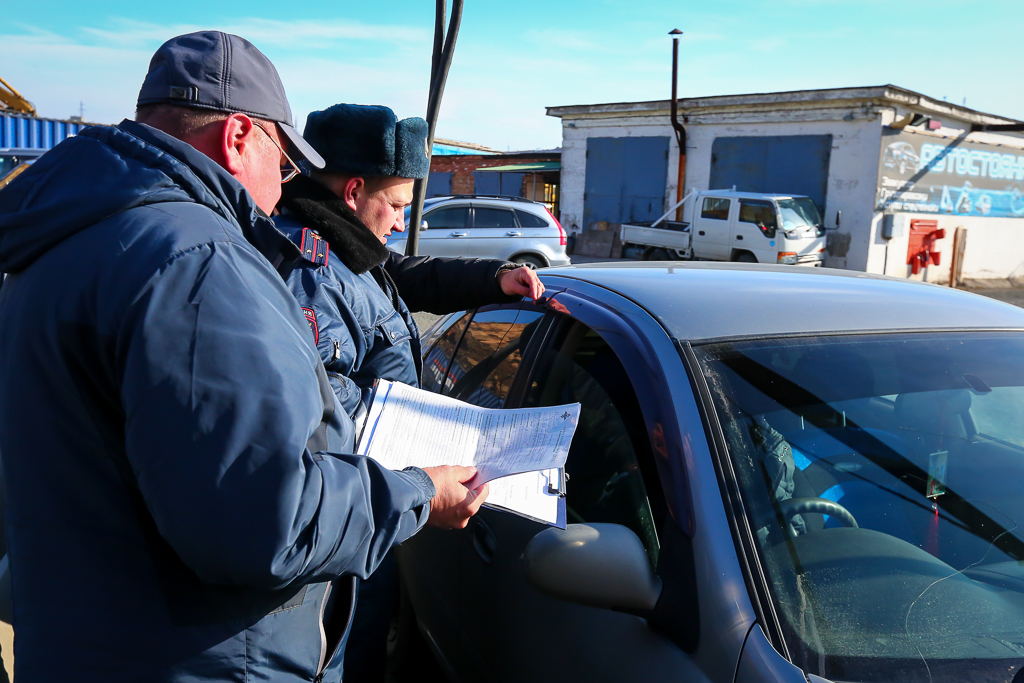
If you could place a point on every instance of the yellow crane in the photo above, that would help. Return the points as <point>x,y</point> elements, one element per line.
<point>12,99</point>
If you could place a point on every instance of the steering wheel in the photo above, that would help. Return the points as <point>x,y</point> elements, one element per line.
<point>821,506</point>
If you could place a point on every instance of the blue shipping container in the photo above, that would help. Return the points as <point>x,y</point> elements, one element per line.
<point>22,133</point>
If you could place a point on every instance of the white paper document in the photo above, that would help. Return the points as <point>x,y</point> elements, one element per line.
<point>530,494</point>
<point>411,427</point>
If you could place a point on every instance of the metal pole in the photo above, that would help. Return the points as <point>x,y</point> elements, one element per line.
<point>680,131</point>
<point>441,61</point>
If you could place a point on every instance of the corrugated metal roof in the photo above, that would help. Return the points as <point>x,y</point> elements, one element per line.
<point>32,134</point>
<point>537,166</point>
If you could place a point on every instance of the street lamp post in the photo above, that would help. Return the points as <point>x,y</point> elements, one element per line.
<point>679,129</point>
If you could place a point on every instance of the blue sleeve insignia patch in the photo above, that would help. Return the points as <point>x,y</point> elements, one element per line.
<point>313,326</point>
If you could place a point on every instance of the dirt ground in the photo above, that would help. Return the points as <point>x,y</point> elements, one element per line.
<point>1009,295</point>
<point>7,645</point>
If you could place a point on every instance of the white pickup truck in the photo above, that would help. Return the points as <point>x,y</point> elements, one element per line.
<point>726,225</point>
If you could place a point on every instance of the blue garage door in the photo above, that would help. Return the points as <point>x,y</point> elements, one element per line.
<point>486,183</point>
<point>497,182</point>
<point>785,164</point>
<point>512,184</point>
<point>439,184</point>
<point>625,179</point>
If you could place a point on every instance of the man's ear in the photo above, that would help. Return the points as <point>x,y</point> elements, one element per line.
<point>237,141</point>
<point>353,192</point>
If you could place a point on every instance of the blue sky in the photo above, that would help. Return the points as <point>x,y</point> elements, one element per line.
<point>513,59</point>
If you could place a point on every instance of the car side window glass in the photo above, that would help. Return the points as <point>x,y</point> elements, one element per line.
<point>489,356</point>
<point>530,220</point>
<point>487,217</point>
<point>605,482</point>
<point>450,218</point>
<point>715,208</point>
<point>760,213</point>
<point>438,358</point>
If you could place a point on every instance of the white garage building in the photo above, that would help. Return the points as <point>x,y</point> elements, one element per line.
<point>904,169</point>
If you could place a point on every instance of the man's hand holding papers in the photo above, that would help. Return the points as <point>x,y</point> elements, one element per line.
<point>454,503</point>
<point>524,447</point>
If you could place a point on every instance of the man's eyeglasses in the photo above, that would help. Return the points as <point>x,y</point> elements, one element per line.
<point>286,173</point>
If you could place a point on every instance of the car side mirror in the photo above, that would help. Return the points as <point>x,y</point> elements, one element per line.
<point>423,226</point>
<point>839,219</point>
<point>599,565</point>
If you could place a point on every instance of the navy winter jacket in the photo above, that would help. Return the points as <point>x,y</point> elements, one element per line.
<point>172,514</point>
<point>349,292</point>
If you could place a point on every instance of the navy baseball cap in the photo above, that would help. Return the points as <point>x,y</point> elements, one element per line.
<point>223,72</point>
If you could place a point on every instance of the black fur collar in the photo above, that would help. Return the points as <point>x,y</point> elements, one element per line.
<point>318,208</point>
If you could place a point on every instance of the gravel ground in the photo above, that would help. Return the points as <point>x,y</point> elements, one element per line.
<point>424,320</point>
<point>1009,295</point>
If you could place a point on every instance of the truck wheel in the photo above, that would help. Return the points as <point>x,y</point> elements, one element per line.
<point>658,255</point>
<point>532,260</point>
<point>745,257</point>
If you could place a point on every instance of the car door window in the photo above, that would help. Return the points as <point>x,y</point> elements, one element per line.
<point>610,451</point>
<point>487,217</point>
<point>530,220</point>
<point>439,357</point>
<point>453,218</point>
<point>761,214</point>
<point>715,208</point>
<point>490,354</point>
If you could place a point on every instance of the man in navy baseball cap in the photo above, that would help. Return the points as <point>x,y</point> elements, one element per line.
<point>226,73</point>
<point>221,95</point>
<point>194,512</point>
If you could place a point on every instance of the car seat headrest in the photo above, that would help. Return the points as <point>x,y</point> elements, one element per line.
<point>835,374</point>
<point>932,408</point>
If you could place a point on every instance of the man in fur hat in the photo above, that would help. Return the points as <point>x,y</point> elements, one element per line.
<point>358,296</point>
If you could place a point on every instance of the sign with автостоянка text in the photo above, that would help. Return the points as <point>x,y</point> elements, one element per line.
<point>921,173</point>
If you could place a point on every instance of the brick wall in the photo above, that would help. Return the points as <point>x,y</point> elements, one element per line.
<point>462,166</point>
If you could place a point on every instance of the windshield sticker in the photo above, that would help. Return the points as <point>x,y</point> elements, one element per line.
<point>936,474</point>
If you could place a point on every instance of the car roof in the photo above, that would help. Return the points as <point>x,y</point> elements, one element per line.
<point>503,200</point>
<point>732,194</point>
<point>704,301</point>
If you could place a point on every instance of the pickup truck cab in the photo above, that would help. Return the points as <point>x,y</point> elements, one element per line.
<point>749,227</point>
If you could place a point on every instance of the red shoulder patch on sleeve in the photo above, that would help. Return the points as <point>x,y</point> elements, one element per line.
<point>313,326</point>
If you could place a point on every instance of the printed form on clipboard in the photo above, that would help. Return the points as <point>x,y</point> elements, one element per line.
<point>520,452</point>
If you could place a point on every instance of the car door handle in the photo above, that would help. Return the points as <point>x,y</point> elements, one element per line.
<point>458,233</point>
<point>485,543</point>
<point>739,237</point>
<point>513,233</point>
<point>700,232</point>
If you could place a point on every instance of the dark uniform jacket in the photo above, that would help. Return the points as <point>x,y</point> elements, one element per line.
<point>172,512</point>
<point>348,285</point>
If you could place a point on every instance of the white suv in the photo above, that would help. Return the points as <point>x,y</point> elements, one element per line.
<point>479,226</point>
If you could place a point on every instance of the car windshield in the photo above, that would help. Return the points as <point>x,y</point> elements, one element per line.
<point>799,212</point>
<point>881,476</point>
